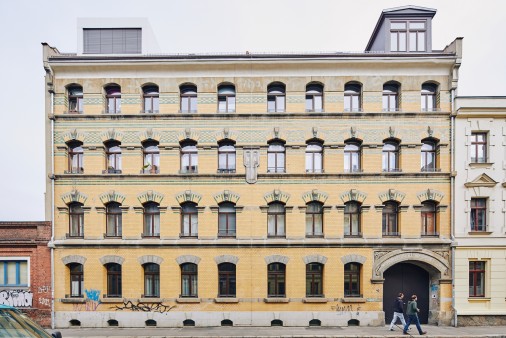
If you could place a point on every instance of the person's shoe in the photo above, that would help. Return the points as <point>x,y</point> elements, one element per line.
<point>424,332</point>
<point>404,332</point>
<point>391,329</point>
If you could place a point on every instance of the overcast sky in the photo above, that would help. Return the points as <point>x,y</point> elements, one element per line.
<point>208,26</point>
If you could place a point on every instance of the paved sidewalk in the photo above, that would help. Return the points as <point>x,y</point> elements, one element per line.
<point>285,332</point>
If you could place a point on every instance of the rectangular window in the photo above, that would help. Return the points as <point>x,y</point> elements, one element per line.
<point>478,214</point>
<point>14,273</point>
<point>478,147</point>
<point>407,36</point>
<point>112,40</point>
<point>476,279</point>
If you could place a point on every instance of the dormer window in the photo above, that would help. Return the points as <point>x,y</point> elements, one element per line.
<point>408,36</point>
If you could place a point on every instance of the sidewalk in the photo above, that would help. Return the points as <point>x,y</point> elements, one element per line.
<point>285,332</point>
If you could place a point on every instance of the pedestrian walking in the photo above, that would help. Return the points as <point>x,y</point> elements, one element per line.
<point>398,311</point>
<point>412,312</point>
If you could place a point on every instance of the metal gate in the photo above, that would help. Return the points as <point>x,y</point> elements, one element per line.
<point>408,279</point>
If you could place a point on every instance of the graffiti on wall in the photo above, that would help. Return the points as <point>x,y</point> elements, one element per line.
<point>145,307</point>
<point>16,298</point>
<point>341,309</point>
<point>91,301</point>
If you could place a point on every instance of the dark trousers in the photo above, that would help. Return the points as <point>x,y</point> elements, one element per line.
<point>413,319</point>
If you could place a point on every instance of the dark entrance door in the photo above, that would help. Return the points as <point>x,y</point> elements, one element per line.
<point>408,279</point>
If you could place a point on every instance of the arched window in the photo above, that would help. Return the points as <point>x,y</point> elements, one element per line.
<point>390,218</point>
<point>151,156</point>
<point>314,158</point>
<point>189,285</point>
<point>113,98</point>
<point>188,99</point>
<point>314,280</point>
<point>390,157</point>
<point>314,98</point>
<point>314,219</point>
<point>352,217</point>
<point>226,219</point>
<point>189,220</point>
<point>352,97</point>
<point>276,280</point>
<point>352,280</point>
<point>189,157</point>
<point>151,280</point>
<point>428,97</point>
<point>226,156</point>
<point>76,220</point>
<point>276,157</point>
<point>390,96</point>
<point>151,220</point>
<point>226,280</point>
<point>429,221</point>
<point>76,280</point>
<point>114,219</point>
<point>428,156</point>
<point>151,96</point>
<point>276,98</point>
<point>113,157</point>
<point>276,220</point>
<point>226,98</point>
<point>113,280</point>
<point>76,157</point>
<point>352,158</point>
<point>75,98</point>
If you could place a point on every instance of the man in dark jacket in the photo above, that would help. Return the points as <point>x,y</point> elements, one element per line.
<point>398,311</point>
<point>412,312</point>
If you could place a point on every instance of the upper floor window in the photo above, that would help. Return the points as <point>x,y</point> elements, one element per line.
<point>352,158</point>
<point>479,148</point>
<point>276,280</point>
<point>113,158</point>
<point>189,220</point>
<point>76,157</point>
<point>75,99</point>
<point>188,99</point>
<point>314,219</point>
<point>151,157</point>
<point>189,281</point>
<point>407,36</point>
<point>314,98</point>
<point>226,219</point>
<point>314,158</point>
<point>390,157</point>
<point>390,97</point>
<point>226,156</point>
<point>352,97</point>
<point>113,98</point>
<point>314,280</point>
<point>390,218</point>
<point>151,220</point>
<point>151,96</point>
<point>429,224</point>
<point>352,219</point>
<point>352,280</point>
<point>428,156</point>
<point>276,157</point>
<point>76,220</point>
<point>478,214</point>
<point>113,280</point>
<point>189,157</point>
<point>226,99</point>
<point>76,280</point>
<point>476,279</point>
<point>14,273</point>
<point>112,40</point>
<point>151,280</point>
<point>428,97</point>
<point>276,220</point>
<point>276,98</point>
<point>113,219</point>
<point>226,280</point>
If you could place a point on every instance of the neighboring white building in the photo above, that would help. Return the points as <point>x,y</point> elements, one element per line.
<point>480,210</point>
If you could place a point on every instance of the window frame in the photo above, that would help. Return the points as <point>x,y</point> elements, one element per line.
<point>189,152</point>
<point>117,216</point>
<point>151,94</point>
<point>151,157</point>
<point>313,91</point>
<point>230,278</point>
<point>350,155</point>
<point>314,210</point>
<point>389,153</point>
<point>428,95</point>
<point>75,156</point>
<point>275,91</point>
<point>348,278</point>
<point>113,97</point>
<point>390,219</point>
<point>228,216</point>
<point>391,91</point>
<point>278,156</point>
<point>189,212</point>
<point>427,212</point>
<point>189,94</point>
<point>276,216</point>
<point>312,289</point>
<point>476,273</point>
<point>153,216</point>
<point>475,211</point>
<point>349,216</point>
<point>230,156</point>
<point>426,153</point>
<point>408,31</point>
<point>311,155</point>
<point>352,90</point>
<point>227,98</point>
<point>152,280</point>
<point>76,216</point>
<point>114,280</point>
<point>475,144</point>
<point>278,277</point>
<point>77,98</point>
<point>17,261</point>
<point>192,277</point>
<point>113,158</point>
<point>76,275</point>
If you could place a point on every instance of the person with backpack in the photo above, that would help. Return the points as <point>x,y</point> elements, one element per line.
<point>412,312</point>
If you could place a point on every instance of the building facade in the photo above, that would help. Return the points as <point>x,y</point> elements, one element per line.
<point>25,268</point>
<point>480,247</point>
<point>252,189</point>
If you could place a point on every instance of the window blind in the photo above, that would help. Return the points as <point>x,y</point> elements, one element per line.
<point>112,41</point>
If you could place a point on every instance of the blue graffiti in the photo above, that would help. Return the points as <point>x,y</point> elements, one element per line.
<point>92,294</point>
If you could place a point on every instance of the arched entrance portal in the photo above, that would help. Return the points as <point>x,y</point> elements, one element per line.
<point>408,279</point>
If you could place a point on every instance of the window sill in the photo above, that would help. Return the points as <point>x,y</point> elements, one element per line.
<point>150,300</point>
<point>481,164</point>
<point>183,300</point>
<point>314,300</point>
<point>226,300</point>
<point>276,300</point>
<point>353,300</point>
<point>479,233</point>
<point>76,300</point>
<point>478,299</point>
<point>110,300</point>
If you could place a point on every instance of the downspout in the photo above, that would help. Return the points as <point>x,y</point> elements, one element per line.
<point>52,212</point>
<point>452,214</point>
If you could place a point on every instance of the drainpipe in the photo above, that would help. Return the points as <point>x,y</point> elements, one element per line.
<point>52,212</point>
<point>452,214</point>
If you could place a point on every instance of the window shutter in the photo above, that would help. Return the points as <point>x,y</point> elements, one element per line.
<point>112,40</point>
